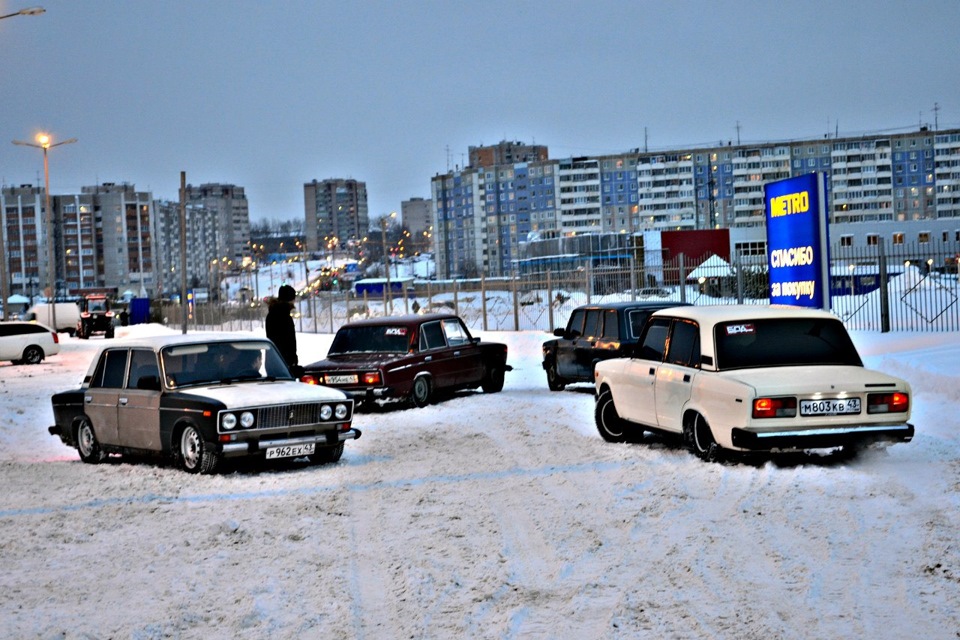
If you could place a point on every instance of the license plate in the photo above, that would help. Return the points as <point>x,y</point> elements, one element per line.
<point>340,379</point>
<point>291,452</point>
<point>831,407</point>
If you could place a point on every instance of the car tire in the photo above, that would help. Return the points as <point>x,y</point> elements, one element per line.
<point>611,426</point>
<point>87,445</point>
<point>421,392</point>
<point>699,439</point>
<point>33,355</point>
<point>554,381</point>
<point>493,380</point>
<point>195,456</point>
<point>327,455</point>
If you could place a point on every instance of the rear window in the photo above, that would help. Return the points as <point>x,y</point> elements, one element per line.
<point>373,339</point>
<point>784,342</point>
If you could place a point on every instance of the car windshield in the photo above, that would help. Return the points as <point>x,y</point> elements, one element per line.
<point>371,339</point>
<point>784,342</point>
<point>221,362</point>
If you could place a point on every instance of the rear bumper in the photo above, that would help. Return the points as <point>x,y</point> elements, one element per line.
<point>250,447</point>
<point>820,438</point>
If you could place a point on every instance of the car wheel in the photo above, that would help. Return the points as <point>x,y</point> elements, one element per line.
<point>327,455</point>
<point>554,381</point>
<point>87,445</point>
<point>420,395</point>
<point>611,426</point>
<point>699,439</point>
<point>493,381</point>
<point>195,456</point>
<point>33,354</point>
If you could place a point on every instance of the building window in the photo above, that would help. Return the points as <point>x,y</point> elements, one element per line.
<point>873,239</point>
<point>923,237</point>
<point>898,238</point>
<point>846,241</point>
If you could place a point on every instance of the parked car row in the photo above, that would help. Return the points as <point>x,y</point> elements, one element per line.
<point>725,379</point>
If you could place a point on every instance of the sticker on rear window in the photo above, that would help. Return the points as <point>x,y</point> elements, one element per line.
<point>737,329</point>
<point>395,331</point>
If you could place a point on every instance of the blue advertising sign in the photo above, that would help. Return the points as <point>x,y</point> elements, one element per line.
<point>797,241</point>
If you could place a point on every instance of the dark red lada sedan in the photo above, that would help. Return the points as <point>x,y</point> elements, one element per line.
<point>409,358</point>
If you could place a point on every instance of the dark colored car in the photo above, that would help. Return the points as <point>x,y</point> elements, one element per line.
<point>95,317</point>
<point>411,358</point>
<point>595,332</point>
<point>199,399</point>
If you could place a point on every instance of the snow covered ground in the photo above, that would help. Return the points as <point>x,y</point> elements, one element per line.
<point>485,516</point>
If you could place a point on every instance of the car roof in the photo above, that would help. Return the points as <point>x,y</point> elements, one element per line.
<point>157,342</point>
<point>637,304</point>
<point>712,314</point>
<point>409,320</point>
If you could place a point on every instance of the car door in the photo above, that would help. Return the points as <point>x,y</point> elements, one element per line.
<point>584,345</point>
<point>138,407</point>
<point>566,367</point>
<point>607,344</point>
<point>102,397</point>
<point>676,374</point>
<point>466,357</point>
<point>437,355</point>
<point>635,395</point>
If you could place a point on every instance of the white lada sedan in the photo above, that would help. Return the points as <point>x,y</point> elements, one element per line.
<point>750,378</point>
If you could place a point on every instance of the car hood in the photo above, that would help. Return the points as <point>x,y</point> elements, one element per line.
<point>248,394</point>
<point>813,379</point>
<point>354,361</point>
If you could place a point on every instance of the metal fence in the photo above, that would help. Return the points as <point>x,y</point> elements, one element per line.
<point>899,288</point>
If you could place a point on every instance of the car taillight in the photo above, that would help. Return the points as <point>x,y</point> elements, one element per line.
<point>775,407</point>
<point>895,402</point>
<point>309,379</point>
<point>371,378</point>
<point>56,338</point>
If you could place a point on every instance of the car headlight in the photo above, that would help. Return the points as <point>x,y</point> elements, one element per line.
<point>228,421</point>
<point>246,419</point>
<point>325,412</point>
<point>341,411</point>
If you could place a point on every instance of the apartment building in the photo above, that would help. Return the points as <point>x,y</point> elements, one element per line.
<point>228,204</point>
<point>201,247</point>
<point>910,176</point>
<point>335,210</point>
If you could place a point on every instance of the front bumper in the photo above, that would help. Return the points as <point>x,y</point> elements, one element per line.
<point>254,446</point>
<point>822,438</point>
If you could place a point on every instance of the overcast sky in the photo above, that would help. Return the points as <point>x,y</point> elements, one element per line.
<point>269,95</point>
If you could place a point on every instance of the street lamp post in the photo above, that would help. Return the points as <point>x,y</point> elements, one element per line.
<point>387,293</point>
<point>29,11</point>
<point>44,142</point>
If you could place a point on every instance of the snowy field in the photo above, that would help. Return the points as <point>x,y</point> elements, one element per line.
<point>486,516</point>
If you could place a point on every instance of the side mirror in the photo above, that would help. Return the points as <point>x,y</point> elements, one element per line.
<point>559,332</point>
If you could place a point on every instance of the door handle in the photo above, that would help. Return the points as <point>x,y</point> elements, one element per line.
<point>428,359</point>
<point>686,377</point>
<point>87,399</point>
<point>653,371</point>
<point>123,402</point>
<point>456,353</point>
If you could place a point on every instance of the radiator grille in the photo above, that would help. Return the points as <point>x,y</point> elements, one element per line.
<point>288,415</point>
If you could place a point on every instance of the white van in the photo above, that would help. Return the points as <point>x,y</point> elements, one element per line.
<point>68,315</point>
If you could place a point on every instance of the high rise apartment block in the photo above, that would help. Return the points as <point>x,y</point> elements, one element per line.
<point>335,211</point>
<point>228,205</point>
<point>102,237</point>
<point>201,247</point>
<point>483,212</point>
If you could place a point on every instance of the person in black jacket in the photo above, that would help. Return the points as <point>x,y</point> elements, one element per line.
<point>280,327</point>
